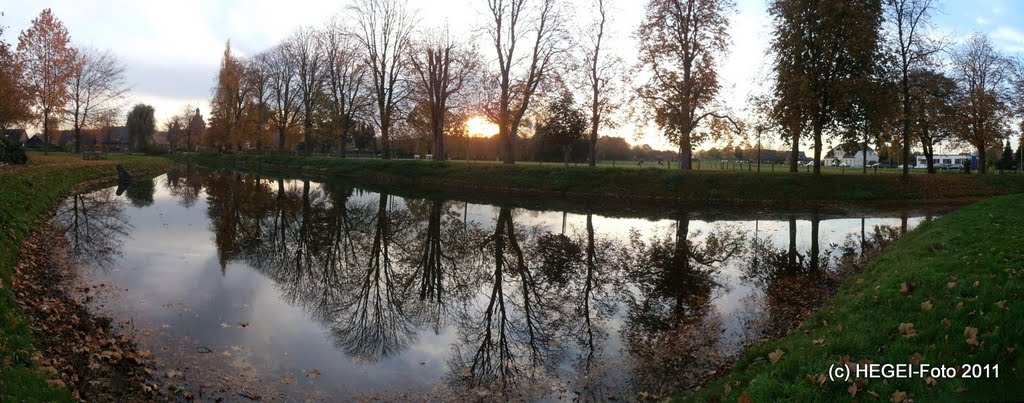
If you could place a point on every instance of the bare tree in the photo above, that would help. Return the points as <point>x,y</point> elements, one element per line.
<point>258,76</point>
<point>96,86</point>
<point>442,66</point>
<point>282,83</point>
<point>909,22</point>
<point>308,57</point>
<point>346,86</point>
<point>384,28</point>
<point>602,70</point>
<point>515,23</point>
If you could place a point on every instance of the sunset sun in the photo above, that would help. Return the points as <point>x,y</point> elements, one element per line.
<point>479,126</point>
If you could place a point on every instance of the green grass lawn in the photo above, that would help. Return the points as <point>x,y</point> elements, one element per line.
<point>949,293</point>
<point>27,192</point>
<point>630,181</point>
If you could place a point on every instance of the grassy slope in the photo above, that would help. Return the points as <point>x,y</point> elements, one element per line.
<point>26,193</point>
<point>968,265</point>
<point>654,182</point>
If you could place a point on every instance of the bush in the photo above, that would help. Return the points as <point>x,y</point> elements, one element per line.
<point>12,152</point>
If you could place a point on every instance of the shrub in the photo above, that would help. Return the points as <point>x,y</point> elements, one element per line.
<point>12,152</point>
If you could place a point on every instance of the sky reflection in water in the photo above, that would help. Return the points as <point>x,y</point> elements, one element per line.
<point>291,287</point>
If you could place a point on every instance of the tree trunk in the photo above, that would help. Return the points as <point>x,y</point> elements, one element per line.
<point>982,159</point>
<point>929,151</point>
<point>280,139</point>
<point>509,147</point>
<point>864,160</point>
<point>565,156</point>
<point>78,140</point>
<point>905,84</point>
<point>46,133</point>
<point>817,148</point>
<point>594,121</point>
<point>794,160</point>
<point>685,153</point>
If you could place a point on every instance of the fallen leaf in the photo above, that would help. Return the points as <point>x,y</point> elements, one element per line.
<point>907,329</point>
<point>951,284</point>
<point>853,389</point>
<point>288,380</point>
<point>243,324</point>
<point>930,381</point>
<point>906,288</point>
<point>1001,304</point>
<point>915,359</point>
<point>775,356</point>
<point>173,373</point>
<point>745,399</point>
<point>971,333</point>
<point>313,373</point>
<point>839,328</point>
<point>899,396</point>
<point>224,325</point>
<point>819,341</point>
<point>926,306</point>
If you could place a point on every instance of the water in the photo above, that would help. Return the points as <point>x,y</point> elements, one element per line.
<point>242,285</point>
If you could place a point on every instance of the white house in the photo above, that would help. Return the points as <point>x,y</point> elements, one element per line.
<point>845,155</point>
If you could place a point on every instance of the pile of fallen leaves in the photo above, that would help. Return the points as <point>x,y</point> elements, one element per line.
<point>76,348</point>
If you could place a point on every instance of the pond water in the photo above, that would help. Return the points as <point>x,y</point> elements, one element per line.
<point>242,285</point>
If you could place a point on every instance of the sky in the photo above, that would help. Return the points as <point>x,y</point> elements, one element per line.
<point>172,49</point>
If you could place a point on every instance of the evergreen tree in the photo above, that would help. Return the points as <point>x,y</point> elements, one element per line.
<point>1007,161</point>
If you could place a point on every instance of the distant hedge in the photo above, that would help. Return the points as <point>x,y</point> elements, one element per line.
<point>12,152</point>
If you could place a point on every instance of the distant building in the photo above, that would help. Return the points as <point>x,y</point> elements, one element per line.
<point>36,141</point>
<point>955,160</point>
<point>19,136</point>
<point>851,156</point>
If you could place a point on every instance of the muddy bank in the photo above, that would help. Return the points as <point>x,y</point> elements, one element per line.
<point>79,350</point>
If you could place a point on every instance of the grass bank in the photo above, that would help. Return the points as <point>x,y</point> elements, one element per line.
<point>949,293</point>
<point>645,184</point>
<point>27,192</point>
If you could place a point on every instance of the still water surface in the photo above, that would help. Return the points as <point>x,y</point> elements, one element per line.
<point>243,285</point>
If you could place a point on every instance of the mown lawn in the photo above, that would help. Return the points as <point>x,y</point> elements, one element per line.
<point>949,293</point>
<point>651,182</point>
<point>26,193</point>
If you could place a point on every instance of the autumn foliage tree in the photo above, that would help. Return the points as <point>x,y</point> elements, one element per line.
<point>680,42</point>
<point>823,50</point>
<point>228,99</point>
<point>49,62</point>
<point>14,96</point>
<point>984,80</point>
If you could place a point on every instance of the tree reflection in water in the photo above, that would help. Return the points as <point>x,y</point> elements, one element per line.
<point>524,305</point>
<point>670,329</point>
<point>95,225</point>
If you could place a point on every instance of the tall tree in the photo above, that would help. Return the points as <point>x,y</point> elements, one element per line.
<point>384,28</point>
<point>14,95</point>
<point>680,42</point>
<point>257,105</point>
<point>96,87</point>
<point>347,90</point>
<point>908,24</point>
<point>514,23</point>
<point>308,56</point>
<point>282,84</point>
<point>563,125</point>
<point>983,76</point>
<point>228,100</point>
<point>932,110</point>
<point>140,125</point>
<point>602,69</point>
<point>48,60</point>
<point>441,65</point>
<point>823,50</point>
